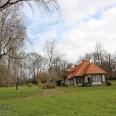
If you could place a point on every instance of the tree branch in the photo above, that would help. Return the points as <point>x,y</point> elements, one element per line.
<point>41,3</point>
<point>5,4</point>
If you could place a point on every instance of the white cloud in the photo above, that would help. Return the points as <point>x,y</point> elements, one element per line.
<point>75,10</point>
<point>81,25</point>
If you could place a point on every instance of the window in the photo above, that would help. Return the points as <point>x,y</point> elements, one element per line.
<point>96,79</point>
<point>79,80</point>
<point>71,82</point>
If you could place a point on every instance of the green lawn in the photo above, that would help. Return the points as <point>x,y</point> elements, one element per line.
<point>112,81</point>
<point>11,92</point>
<point>80,101</point>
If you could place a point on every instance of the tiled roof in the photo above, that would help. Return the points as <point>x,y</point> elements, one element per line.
<point>85,68</point>
<point>94,69</point>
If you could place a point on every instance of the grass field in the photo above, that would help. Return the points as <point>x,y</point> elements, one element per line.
<point>61,101</point>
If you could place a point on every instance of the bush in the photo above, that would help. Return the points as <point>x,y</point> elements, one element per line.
<point>49,85</point>
<point>53,85</point>
<point>58,82</point>
<point>108,84</point>
<point>40,85</point>
<point>30,85</point>
<point>43,86</point>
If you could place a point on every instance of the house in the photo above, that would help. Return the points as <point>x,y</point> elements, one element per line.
<point>80,74</point>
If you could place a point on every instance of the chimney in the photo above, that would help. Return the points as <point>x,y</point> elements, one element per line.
<point>83,60</point>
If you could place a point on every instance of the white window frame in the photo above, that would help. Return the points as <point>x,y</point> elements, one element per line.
<point>79,80</point>
<point>96,79</point>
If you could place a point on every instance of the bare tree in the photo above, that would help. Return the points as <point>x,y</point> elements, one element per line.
<point>12,31</point>
<point>60,65</point>
<point>50,50</point>
<point>33,63</point>
<point>99,52</point>
<point>64,65</point>
<point>5,74</point>
<point>12,39</point>
<point>114,65</point>
<point>46,5</point>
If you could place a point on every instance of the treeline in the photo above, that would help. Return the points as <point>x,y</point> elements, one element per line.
<point>32,67</point>
<point>16,65</point>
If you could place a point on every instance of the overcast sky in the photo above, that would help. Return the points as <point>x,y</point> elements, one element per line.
<point>80,26</point>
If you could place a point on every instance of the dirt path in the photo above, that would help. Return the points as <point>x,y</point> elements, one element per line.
<point>44,92</point>
<point>47,92</point>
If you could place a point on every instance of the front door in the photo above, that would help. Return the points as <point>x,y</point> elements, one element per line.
<point>79,81</point>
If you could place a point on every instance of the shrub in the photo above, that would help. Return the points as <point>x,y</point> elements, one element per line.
<point>30,85</point>
<point>53,85</point>
<point>108,84</point>
<point>43,86</point>
<point>49,85</point>
<point>58,82</point>
<point>40,85</point>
